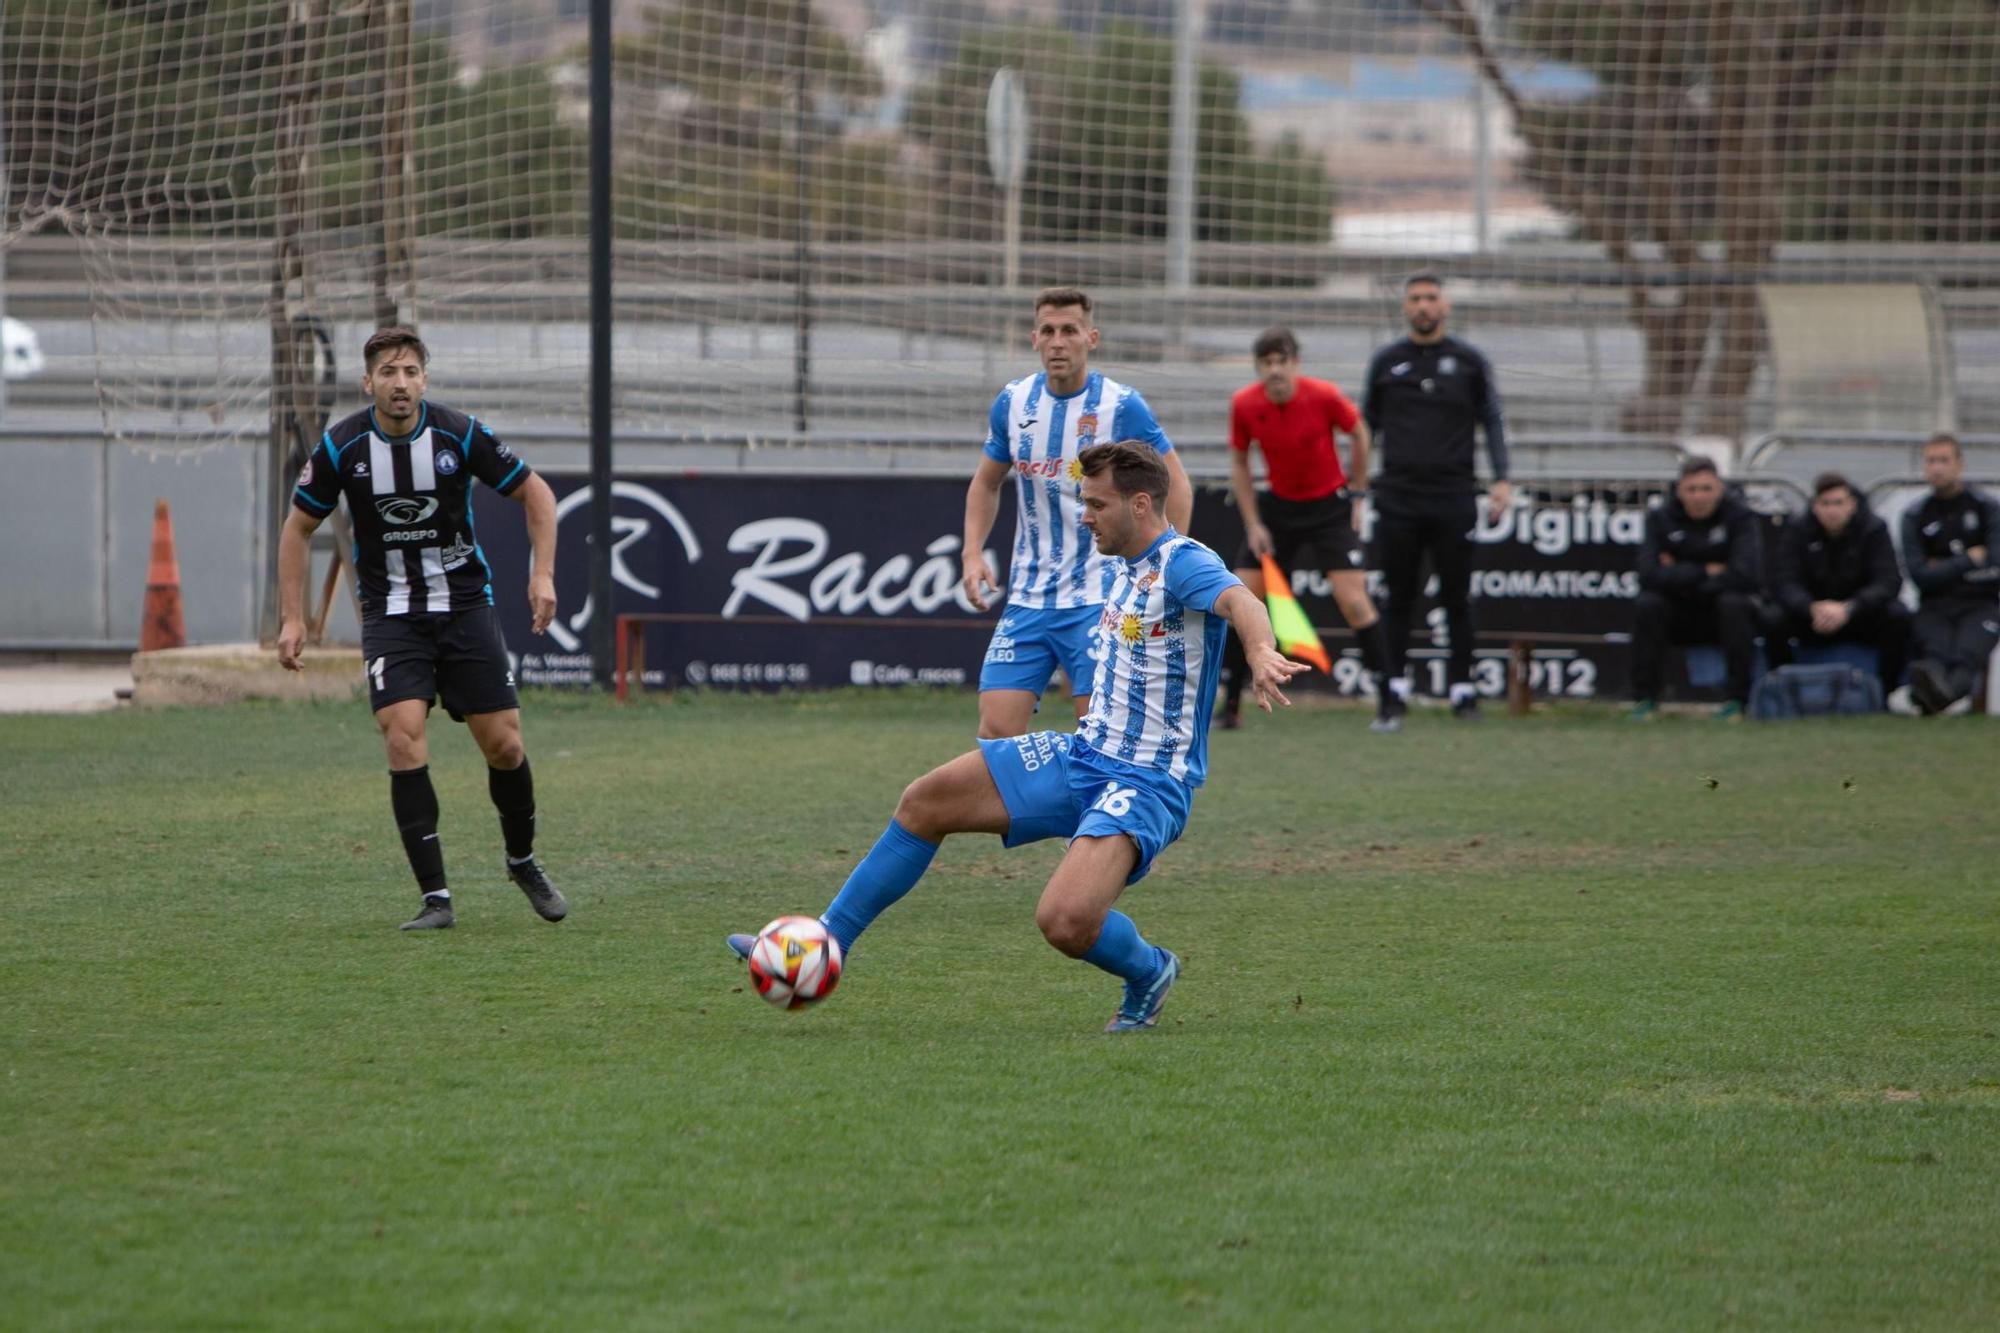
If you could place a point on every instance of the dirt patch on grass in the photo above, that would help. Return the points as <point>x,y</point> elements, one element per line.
<point>1276,856</point>
<point>1708,1095</point>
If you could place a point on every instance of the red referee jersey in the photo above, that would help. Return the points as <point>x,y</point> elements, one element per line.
<point>1296,437</point>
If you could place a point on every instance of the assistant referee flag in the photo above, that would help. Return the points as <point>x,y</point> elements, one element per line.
<point>1296,636</point>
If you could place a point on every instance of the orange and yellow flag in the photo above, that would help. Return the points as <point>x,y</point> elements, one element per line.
<point>1296,636</point>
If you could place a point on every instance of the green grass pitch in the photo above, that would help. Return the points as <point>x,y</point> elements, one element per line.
<point>1557,1023</point>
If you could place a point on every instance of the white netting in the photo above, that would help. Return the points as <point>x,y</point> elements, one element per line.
<point>809,234</point>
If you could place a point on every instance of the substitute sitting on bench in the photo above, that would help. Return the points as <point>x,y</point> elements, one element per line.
<point>1698,576</point>
<point>1837,581</point>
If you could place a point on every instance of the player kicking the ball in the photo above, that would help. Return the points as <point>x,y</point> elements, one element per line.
<point>1121,788</point>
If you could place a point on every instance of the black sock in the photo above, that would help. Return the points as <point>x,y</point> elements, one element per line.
<point>1374,649</point>
<point>1236,670</point>
<point>416,805</point>
<point>513,792</point>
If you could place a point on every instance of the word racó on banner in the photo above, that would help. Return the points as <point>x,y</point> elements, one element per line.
<point>843,585</point>
<point>788,571</point>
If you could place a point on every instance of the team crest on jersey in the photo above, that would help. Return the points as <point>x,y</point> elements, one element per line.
<point>361,468</point>
<point>1086,430</point>
<point>1447,365</point>
<point>447,462</point>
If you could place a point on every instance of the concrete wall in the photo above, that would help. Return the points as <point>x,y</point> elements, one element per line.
<point>76,531</point>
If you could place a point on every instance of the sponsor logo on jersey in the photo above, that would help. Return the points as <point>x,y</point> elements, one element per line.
<point>455,554</point>
<point>1046,467</point>
<point>403,510</point>
<point>447,462</point>
<point>413,535</point>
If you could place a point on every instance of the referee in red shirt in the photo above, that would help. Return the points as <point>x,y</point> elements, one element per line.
<point>1309,517</point>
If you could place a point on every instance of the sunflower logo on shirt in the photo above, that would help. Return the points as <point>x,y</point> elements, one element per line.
<point>1075,470</point>
<point>1131,629</point>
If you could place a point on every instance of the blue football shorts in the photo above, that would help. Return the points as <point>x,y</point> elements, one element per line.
<point>1028,645</point>
<point>1057,787</point>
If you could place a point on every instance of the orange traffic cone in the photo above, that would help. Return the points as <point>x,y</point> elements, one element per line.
<point>161,626</point>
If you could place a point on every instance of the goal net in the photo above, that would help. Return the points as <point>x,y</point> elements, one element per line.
<point>209,203</point>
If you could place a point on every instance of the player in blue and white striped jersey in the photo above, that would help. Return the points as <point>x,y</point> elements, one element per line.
<point>1056,577</point>
<point>1120,789</point>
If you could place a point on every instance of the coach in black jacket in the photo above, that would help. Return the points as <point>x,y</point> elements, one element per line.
<point>1951,543</point>
<point>1837,581</point>
<point>1698,576</point>
<point>1428,398</point>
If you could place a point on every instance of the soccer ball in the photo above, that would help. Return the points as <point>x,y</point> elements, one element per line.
<point>795,962</point>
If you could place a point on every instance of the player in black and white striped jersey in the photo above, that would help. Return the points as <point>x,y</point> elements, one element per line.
<point>428,630</point>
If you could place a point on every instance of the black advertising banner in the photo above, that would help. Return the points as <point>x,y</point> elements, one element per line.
<point>1556,569</point>
<point>767,581</point>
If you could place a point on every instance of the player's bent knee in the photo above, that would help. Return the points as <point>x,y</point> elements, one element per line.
<point>405,750</point>
<point>1071,931</point>
<point>921,810</point>
<point>507,755</point>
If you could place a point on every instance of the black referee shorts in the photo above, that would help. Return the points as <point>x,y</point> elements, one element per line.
<point>1309,534</point>
<point>460,657</point>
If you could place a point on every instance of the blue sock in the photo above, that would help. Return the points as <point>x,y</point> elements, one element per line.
<point>891,869</point>
<point>1122,951</point>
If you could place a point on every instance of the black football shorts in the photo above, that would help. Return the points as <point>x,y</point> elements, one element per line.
<point>460,658</point>
<point>1309,534</point>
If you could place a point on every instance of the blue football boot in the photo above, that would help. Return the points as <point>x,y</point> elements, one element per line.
<point>1141,1009</point>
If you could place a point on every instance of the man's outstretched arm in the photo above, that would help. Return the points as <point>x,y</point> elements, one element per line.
<point>1269,668</point>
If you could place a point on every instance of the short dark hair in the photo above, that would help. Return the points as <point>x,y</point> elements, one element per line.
<point>1946,437</point>
<point>1133,466</point>
<point>389,340</point>
<point>1062,296</point>
<point>1275,342</point>
<point>1423,275</point>
<point>1827,481</point>
<point>1697,465</point>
